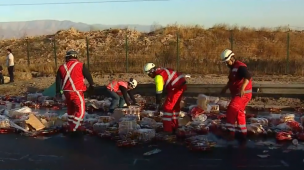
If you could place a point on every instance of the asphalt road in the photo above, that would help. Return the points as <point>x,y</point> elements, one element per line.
<point>90,153</point>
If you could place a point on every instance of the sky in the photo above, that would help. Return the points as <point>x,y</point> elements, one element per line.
<point>254,13</point>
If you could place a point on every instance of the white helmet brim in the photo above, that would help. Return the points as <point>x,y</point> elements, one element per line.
<point>226,55</point>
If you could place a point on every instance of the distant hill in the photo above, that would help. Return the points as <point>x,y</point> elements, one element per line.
<point>198,49</point>
<point>42,27</point>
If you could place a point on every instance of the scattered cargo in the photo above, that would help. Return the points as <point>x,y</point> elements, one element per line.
<point>37,115</point>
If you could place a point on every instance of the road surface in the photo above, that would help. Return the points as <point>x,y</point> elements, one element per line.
<point>90,153</point>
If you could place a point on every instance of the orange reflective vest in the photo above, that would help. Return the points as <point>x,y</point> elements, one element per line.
<point>114,86</point>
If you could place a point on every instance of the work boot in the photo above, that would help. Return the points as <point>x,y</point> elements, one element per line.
<point>68,131</point>
<point>174,131</point>
<point>242,139</point>
<point>240,136</point>
<point>80,132</point>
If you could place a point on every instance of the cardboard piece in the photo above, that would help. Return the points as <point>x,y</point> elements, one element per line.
<point>35,122</point>
<point>213,108</point>
<point>183,121</point>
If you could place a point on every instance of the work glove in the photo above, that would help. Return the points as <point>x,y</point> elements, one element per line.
<point>157,110</point>
<point>91,90</point>
<point>92,87</point>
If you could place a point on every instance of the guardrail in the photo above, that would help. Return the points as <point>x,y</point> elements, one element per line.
<point>259,90</point>
<point>262,90</point>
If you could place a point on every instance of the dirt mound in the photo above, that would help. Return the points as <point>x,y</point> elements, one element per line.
<point>188,49</point>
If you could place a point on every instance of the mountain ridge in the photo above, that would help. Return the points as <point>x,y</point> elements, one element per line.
<point>19,29</point>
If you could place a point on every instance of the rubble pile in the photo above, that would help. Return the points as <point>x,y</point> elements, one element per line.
<point>37,115</point>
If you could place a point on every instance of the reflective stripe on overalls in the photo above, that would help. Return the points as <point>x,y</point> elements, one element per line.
<point>68,77</point>
<point>169,116</point>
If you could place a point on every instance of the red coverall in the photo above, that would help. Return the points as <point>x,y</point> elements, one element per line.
<point>73,88</point>
<point>236,108</point>
<point>175,85</point>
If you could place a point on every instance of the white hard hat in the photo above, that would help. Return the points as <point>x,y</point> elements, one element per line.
<point>148,67</point>
<point>226,55</point>
<point>133,82</point>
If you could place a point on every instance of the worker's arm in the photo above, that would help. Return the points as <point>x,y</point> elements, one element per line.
<point>87,75</point>
<point>159,83</point>
<point>58,82</point>
<point>124,92</point>
<point>244,74</point>
<point>130,92</point>
<point>226,86</point>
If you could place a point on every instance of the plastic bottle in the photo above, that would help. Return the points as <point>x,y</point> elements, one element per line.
<point>126,126</point>
<point>202,101</point>
<point>202,117</point>
<point>295,142</point>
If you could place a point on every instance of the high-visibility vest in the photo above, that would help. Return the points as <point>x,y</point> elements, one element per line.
<point>114,86</point>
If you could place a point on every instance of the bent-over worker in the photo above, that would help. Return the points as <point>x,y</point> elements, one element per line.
<point>175,84</point>
<point>240,86</point>
<point>70,81</point>
<point>119,91</point>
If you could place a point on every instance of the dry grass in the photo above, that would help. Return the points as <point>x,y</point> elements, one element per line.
<point>198,50</point>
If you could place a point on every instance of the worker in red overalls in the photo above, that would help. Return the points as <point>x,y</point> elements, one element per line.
<point>175,84</point>
<point>240,86</point>
<point>70,81</point>
<point>118,91</point>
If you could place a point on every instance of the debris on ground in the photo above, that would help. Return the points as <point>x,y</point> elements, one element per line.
<point>200,125</point>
